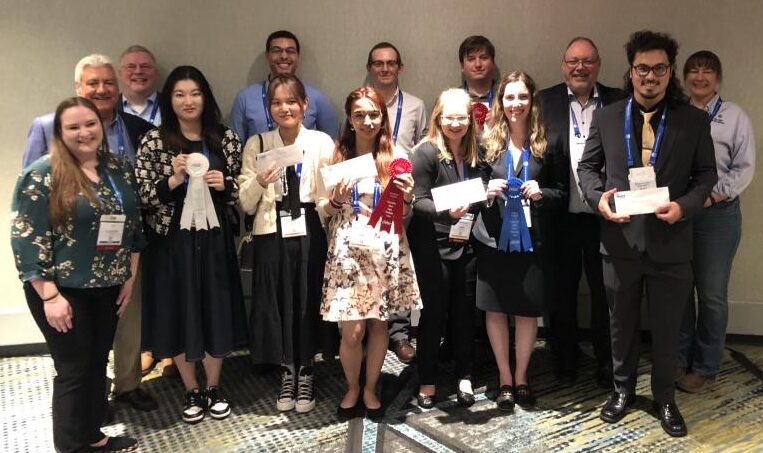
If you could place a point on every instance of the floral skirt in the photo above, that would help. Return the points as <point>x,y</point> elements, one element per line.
<point>367,282</point>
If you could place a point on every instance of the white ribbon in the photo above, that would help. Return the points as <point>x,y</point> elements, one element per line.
<point>198,209</point>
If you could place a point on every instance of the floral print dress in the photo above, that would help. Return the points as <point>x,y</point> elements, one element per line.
<point>374,282</point>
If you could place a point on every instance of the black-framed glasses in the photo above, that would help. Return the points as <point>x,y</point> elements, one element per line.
<point>586,63</point>
<point>659,69</point>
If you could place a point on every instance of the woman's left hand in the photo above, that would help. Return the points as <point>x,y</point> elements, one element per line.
<point>123,300</point>
<point>404,182</point>
<point>531,190</point>
<point>215,179</point>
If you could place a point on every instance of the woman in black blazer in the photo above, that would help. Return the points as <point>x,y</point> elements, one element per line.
<point>513,269</point>
<point>440,243</point>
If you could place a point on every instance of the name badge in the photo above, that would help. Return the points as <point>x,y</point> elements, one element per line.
<point>526,210</point>
<point>362,235</point>
<point>461,231</point>
<point>291,228</point>
<point>578,141</point>
<point>641,178</point>
<point>110,231</point>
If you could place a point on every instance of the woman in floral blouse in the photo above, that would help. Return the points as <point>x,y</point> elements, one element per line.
<point>193,305</point>
<point>76,235</point>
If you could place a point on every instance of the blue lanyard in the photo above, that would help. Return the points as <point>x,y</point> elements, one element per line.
<point>115,189</point>
<point>716,109</point>
<point>398,116</point>
<point>356,196</point>
<point>510,163</point>
<point>153,112</point>
<point>265,105</point>
<point>628,129</point>
<point>120,138</point>
<point>489,95</point>
<point>575,127</point>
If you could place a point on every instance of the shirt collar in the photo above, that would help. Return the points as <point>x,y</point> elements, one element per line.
<point>711,103</point>
<point>394,98</point>
<point>151,100</point>
<point>591,99</point>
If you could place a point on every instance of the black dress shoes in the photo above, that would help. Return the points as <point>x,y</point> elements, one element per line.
<point>464,399</point>
<point>524,396</point>
<point>425,401</point>
<point>670,419</point>
<point>616,406</point>
<point>376,415</point>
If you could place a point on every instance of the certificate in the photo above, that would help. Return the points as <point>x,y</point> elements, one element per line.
<point>285,156</point>
<point>350,170</point>
<point>458,194</point>
<point>633,202</point>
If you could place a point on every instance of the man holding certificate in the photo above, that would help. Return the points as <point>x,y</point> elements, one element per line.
<point>651,141</point>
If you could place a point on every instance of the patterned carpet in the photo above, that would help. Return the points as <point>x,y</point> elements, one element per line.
<point>728,417</point>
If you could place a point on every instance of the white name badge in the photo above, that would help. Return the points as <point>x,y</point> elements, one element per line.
<point>461,231</point>
<point>110,231</point>
<point>526,209</point>
<point>291,228</point>
<point>362,235</point>
<point>641,178</point>
<point>578,141</point>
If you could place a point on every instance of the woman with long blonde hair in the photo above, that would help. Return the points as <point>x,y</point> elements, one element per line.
<point>526,186</point>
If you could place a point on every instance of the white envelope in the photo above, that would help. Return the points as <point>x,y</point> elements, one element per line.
<point>351,170</point>
<point>279,157</point>
<point>458,194</point>
<point>645,201</point>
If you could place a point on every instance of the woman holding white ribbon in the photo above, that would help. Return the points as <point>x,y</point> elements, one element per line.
<point>186,172</point>
<point>369,273</point>
<point>289,241</point>
<point>526,186</point>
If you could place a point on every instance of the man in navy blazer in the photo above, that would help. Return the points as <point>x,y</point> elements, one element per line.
<point>648,250</point>
<point>567,109</point>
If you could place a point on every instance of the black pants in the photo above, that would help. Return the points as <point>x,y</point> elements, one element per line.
<point>452,300</point>
<point>667,290</point>
<point>578,249</point>
<point>80,357</point>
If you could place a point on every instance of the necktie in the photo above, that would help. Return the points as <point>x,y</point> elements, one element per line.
<point>647,138</point>
<point>291,200</point>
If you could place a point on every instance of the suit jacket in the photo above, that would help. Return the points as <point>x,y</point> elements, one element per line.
<point>686,165</point>
<point>428,225</point>
<point>41,134</point>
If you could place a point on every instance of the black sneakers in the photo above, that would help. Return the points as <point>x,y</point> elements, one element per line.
<point>217,405</point>
<point>117,444</point>
<point>194,406</point>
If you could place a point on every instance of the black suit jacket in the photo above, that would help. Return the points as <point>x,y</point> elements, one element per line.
<point>686,165</point>
<point>136,127</point>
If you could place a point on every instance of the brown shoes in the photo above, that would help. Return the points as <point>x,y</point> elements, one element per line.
<point>404,350</point>
<point>694,383</point>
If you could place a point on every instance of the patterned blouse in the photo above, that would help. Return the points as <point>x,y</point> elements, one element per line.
<point>154,168</point>
<point>67,255</point>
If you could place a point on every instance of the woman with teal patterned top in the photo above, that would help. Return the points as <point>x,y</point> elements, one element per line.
<point>76,235</point>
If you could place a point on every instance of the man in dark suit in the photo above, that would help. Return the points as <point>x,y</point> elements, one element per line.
<point>567,109</point>
<point>96,80</point>
<point>664,132</point>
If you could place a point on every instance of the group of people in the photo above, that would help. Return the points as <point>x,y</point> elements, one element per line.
<point>125,216</point>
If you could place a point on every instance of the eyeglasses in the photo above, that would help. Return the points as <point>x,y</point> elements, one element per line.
<point>659,70</point>
<point>457,119</point>
<point>279,50</point>
<point>359,117</point>
<point>379,64</point>
<point>587,63</point>
<point>132,67</point>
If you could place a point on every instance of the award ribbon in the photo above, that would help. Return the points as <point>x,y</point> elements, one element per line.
<point>390,207</point>
<point>515,235</point>
<point>198,208</point>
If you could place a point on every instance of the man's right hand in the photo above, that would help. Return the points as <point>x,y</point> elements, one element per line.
<point>606,211</point>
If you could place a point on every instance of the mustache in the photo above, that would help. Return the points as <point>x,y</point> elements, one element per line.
<point>101,96</point>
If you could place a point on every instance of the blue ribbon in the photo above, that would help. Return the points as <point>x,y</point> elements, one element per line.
<point>515,235</point>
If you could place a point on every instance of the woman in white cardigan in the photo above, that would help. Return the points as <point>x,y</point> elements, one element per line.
<point>289,242</point>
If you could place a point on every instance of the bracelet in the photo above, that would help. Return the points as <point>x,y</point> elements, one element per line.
<point>51,297</point>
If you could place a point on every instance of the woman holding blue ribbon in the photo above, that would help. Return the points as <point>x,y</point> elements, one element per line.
<point>289,241</point>
<point>369,273</point>
<point>526,186</point>
<point>441,245</point>
<point>718,228</point>
<point>76,234</point>
<point>193,305</point>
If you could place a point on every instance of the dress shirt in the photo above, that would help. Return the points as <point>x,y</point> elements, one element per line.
<point>413,124</point>
<point>584,116</point>
<point>147,109</point>
<point>248,118</point>
<point>114,129</point>
<point>734,143</point>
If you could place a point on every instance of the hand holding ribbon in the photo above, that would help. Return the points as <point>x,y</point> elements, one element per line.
<point>390,207</point>
<point>515,235</point>
<point>198,209</point>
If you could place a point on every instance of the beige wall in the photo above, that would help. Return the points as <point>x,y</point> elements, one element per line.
<point>42,40</point>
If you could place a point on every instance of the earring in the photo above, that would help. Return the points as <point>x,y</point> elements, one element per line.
<point>352,128</point>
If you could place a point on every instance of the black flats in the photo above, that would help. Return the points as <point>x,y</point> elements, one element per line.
<point>425,401</point>
<point>464,399</point>
<point>505,398</point>
<point>523,395</point>
<point>348,413</point>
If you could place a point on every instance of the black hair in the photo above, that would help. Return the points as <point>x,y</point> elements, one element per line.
<point>384,45</point>
<point>645,41</point>
<point>475,42</point>
<point>280,34</point>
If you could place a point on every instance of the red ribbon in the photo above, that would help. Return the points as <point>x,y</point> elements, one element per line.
<point>480,112</point>
<point>390,207</point>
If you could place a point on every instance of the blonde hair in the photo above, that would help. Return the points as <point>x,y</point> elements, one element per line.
<point>499,128</point>
<point>435,135</point>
